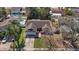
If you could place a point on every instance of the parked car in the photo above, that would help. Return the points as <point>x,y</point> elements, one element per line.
<point>22,23</point>
<point>1,19</point>
<point>4,40</point>
<point>8,16</point>
<point>2,33</point>
<point>12,40</point>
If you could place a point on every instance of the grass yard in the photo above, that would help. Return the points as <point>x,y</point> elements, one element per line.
<point>39,43</point>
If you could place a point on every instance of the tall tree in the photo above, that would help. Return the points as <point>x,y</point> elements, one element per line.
<point>44,12</point>
<point>3,12</point>
<point>68,12</point>
<point>39,13</point>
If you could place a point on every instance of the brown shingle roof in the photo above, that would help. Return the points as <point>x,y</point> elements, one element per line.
<point>31,25</point>
<point>38,24</point>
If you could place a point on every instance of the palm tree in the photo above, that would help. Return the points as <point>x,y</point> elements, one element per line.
<point>19,39</point>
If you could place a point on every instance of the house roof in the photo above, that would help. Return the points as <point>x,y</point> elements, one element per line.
<point>45,26</point>
<point>31,25</point>
<point>34,24</point>
<point>38,23</point>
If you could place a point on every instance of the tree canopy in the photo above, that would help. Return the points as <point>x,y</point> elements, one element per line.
<point>3,12</point>
<point>68,12</point>
<point>39,13</point>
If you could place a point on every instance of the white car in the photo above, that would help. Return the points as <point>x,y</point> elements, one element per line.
<point>22,23</point>
<point>9,16</point>
<point>4,40</point>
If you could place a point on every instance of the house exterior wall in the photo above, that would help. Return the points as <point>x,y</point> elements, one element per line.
<point>39,35</point>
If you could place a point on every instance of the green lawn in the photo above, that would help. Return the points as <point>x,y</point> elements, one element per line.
<point>39,43</point>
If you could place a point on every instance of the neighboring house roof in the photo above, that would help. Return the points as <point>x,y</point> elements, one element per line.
<point>56,10</point>
<point>65,28</point>
<point>15,9</point>
<point>75,24</point>
<point>34,24</point>
<point>76,10</point>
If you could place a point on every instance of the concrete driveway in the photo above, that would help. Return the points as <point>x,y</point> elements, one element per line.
<point>4,23</point>
<point>5,47</point>
<point>29,44</point>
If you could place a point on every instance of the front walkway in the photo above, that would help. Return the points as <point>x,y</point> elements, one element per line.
<point>29,44</point>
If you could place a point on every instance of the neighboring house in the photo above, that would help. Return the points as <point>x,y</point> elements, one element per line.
<point>17,11</point>
<point>75,25</point>
<point>66,31</point>
<point>56,12</point>
<point>75,10</point>
<point>65,28</point>
<point>38,27</point>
